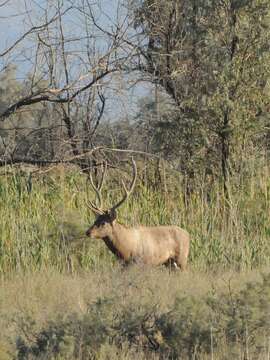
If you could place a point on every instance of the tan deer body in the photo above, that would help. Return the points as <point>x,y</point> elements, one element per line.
<point>152,245</point>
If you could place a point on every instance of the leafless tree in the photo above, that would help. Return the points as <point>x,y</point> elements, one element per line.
<point>70,61</point>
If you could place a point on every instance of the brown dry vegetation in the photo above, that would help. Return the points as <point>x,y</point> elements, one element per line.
<point>136,313</point>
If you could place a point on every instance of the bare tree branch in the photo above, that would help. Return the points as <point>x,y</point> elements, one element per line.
<point>32,30</point>
<point>4,3</point>
<point>40,97</point>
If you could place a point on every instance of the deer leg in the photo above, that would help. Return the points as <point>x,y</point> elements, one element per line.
<point>171,264</point>
<point>181,262</point>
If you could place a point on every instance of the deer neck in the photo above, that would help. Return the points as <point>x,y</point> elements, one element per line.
<point>117,242</point>
<point>110,245</point>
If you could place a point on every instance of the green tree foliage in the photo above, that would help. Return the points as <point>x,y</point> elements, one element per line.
<point>212,58</point>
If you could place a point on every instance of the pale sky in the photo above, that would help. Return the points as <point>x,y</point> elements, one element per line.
<point>17,16</point>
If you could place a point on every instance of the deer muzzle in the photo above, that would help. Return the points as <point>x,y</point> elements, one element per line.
<point>88,232</point>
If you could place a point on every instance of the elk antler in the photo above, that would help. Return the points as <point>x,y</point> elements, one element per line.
<point>127,192</point>
<point>97,189</point>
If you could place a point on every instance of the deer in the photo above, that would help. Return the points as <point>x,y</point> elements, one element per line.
<point>149,245</point>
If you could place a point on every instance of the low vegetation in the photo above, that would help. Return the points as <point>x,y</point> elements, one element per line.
<point>135,314</point>
<point>64,296</point>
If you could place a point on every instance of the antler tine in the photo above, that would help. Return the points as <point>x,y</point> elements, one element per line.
<point>94,208</point>
<point>97,190</point>
<point>128,192</point>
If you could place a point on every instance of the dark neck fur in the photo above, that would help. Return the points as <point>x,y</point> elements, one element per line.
<point>111,247</point>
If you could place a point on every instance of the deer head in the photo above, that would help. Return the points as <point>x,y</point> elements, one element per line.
<point>105,219</point>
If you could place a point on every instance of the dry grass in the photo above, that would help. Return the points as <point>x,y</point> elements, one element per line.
<point>30,302</point>
<point>44,294</point>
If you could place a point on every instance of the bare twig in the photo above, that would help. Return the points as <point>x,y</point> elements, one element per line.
<point>32,30</point>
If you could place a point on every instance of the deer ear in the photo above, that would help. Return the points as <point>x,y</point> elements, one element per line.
<point>113,215</point>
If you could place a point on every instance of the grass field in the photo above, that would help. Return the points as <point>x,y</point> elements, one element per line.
<point>66,297</point>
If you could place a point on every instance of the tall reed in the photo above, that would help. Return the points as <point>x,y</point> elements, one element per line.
<point>42,222</point>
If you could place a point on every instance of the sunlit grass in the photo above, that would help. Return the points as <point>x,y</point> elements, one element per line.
<point>43,222</point>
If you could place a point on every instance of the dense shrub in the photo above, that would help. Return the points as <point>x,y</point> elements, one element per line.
<point>236,323</point>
